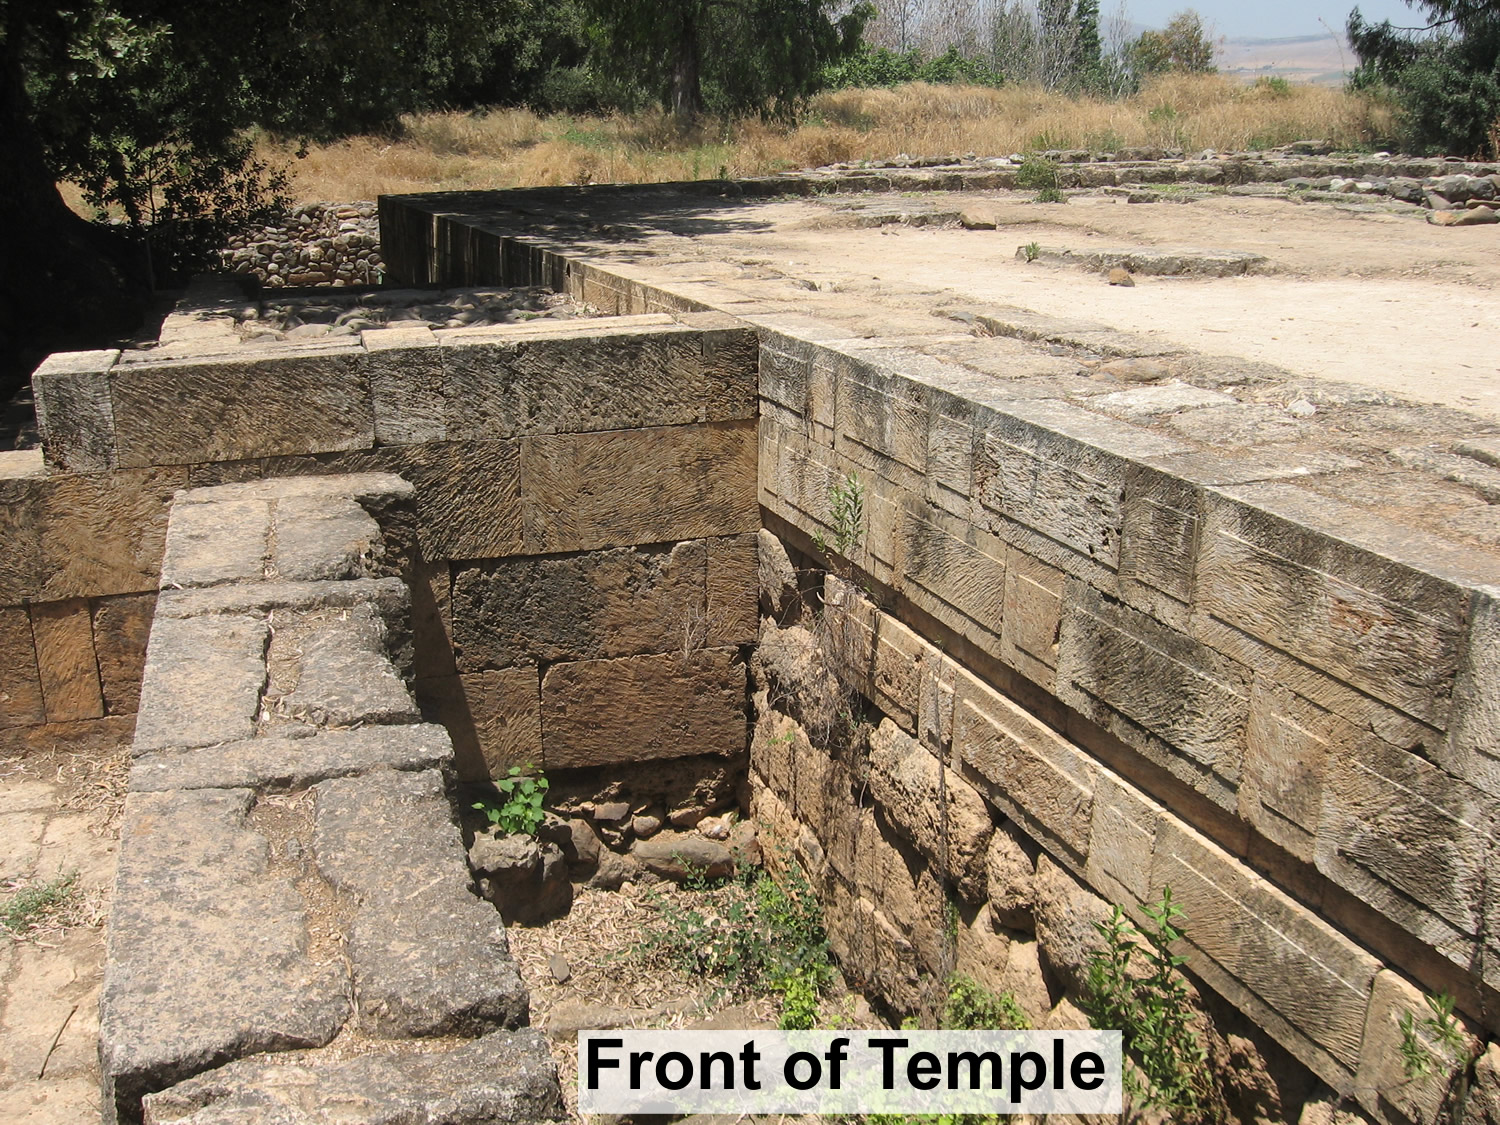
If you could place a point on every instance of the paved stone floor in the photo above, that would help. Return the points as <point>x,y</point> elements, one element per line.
<point>58,816</point>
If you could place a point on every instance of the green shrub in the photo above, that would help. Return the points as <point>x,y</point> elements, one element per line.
<point>521,812</point>
<point>1037,172</point>
<point>972,1007</point>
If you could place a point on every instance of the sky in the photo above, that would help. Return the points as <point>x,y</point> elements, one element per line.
<point>1269,19</point>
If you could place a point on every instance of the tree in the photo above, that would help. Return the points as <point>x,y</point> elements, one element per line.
<point>1445,74</point>
<point>1183,45</point>
<point>729,56</point>
<point>145,104</point>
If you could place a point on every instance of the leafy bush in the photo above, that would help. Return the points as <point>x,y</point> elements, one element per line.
<point>972,1007</point>
<point>882,67</point>
<point>1037,172</point>
<point>521,813</point>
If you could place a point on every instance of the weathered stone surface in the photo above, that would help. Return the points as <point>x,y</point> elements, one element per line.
<point>346,676</point>
<point>1484,1095</point>
<point>386,595</point>
<point>618,602</point>
<point>792,666</point>
<point>599,711</point>
<point>656,485</point>
<point>1033,617</point>
<point>950,565</point>
<point>187,413</point>
<point>320,539</point>
<point>73,410</point>
<point>1009,879</point>
<point>1381,1082</point>
<point>65,660</point>
<point>202,682</point>
<point>1408,839</point>
<point>495,717</point>
<point>778,579</point>
<point>932,806</point>
<point>1122,841</point>
<point>1475,729</point>
<point>731,587</point>
<point>104,533</point>
<point>207,951</point>
<point>1065,912</point>
<point>684,855</point>
<point>209,544</point>
<point>526,878</point>
<point>579,385</point>
<point>122,627</point>
<point>428,957</point>
<point>294,763</point>
<point>501,1078</point>
<point>406,385</point>
<point>1288,970</point>
<point>21,701</point>
<point>1143,403</point>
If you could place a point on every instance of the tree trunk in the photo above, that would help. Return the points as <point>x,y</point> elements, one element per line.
<point>64,283</point>
<point>687,93</point>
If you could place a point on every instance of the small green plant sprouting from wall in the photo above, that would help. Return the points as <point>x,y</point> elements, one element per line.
<point>521,812</point>
<point>1032,250</point>
<point>846,511</point>
<point>972,1007</point>
<point>1452,1052</point>
<point>1152,1011</point>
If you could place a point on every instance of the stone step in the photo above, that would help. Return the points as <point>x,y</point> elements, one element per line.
<point>503,1077</point>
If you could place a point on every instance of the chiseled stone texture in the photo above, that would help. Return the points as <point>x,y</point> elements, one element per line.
<point>346,677</point>
<point>74,412</point>
<point>203,681</point>
<point>502,1077</point>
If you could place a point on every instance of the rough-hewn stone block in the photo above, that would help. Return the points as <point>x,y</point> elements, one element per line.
<point>897,673</point>
<point>345,676</point>
<point>1474,748</point>
<point>609,380</point>
<point>1160,531</point>
<point>406,385</point>
<point>1408,839</point>
<point>186,413</point>
<point>732,587</point>
<point>657,485</point>
<point>210,544</point>
<point>932,806</point>
<point>1033,617</point>
<point>1274,959</point>
<point>1122,840</point>
<point>504,707</point>
<point>1178,702</point>
<point>21,570</point>
<point>1382,1084</point>
<point>202,683</point>
<point>65,660</point>
<point>105,534</point>
<point>885,413</point>
<point>21,701</point>
<point>595,712</point>
<point>617,602</point>
<point>1384,627</point>
<point>122,626</point>
<point>73,410</point>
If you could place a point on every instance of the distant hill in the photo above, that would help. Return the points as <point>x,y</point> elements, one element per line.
<point>1302,58</point>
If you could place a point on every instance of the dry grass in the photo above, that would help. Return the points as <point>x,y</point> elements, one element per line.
<point>512,148</point>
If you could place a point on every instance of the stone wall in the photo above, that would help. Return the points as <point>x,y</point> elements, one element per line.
<point>314,244</point>
<point>582,528</point>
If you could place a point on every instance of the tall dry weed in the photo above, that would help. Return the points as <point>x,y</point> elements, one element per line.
<point>515,147</point>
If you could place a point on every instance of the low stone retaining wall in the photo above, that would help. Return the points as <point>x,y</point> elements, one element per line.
<point>315,244</point>
<point>290,867</point>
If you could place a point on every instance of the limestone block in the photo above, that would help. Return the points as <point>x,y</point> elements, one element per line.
<point>105,534</point>
<point>1178,702</point>
<point>595,712</point>
<point>73,411</point>
<point>388,595</point>
<point>617,602</point>
<point>776,742</point>
<point>190,412</point>
<point>932,806</point>
<point>293,764</point>
<point>503,1076</point>
<point>784,376</point>
<point>897,674</point>
<point>950,455</point>
<point>1160,531</point>
<point>881,412</point>
<point>504,706</point>
<point>406,385</point>
<point>1289,971</point>
<point>1409,840</point>
<point>608,380</point>
<point>197,905</point>
<point>202,683</point>
<point>1066,913</point>
<point>1036,776</point>
<point>980,952</point>
<point>732,589</point>
<point>65,660</point>
<point>1326,598</point>
<point>1122,841</point>
<point>345,675</point>
<point>956,572</point>
<point>209,544</point>
<point>656,485</point>
<point>1475,729</point>
<point>1032,617</point>
<point>122,627</point>
<point>320,539</point>
<point>433,960</point>
<point>1060,470</point>
<point>21,572</point>
<point>1009,879</point>
<point>1380,1083</point>
<point>21,702</point>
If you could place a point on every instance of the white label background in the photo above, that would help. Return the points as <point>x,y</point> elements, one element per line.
<point>860,1075</point>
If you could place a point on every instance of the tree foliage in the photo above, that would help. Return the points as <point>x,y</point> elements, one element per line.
<point>1183,45</point>
<point>727,57</point>
<point>1445,74</point>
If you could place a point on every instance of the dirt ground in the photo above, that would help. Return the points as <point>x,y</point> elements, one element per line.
<point>1365,292</point>
<point>59,816</point>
